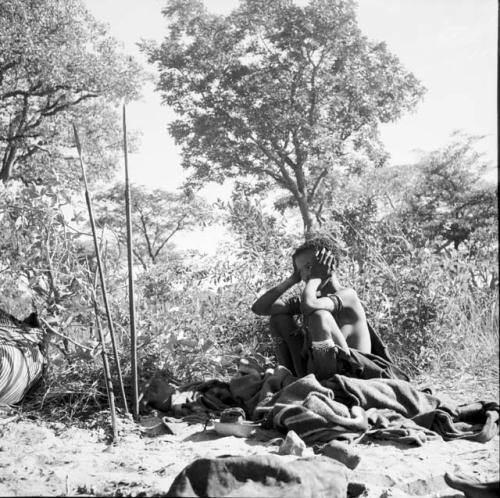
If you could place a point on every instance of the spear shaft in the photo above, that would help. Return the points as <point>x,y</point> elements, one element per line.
<point>104,354</point>
<point>131,299</point>
<point>101,273</point>
<point>107,372</point>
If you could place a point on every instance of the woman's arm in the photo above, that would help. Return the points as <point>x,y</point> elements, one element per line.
<point>269,303</point>
<point>310,302</point>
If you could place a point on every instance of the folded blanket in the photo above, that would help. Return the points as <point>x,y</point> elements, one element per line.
<point>252,391</point>
<point>451,428</point>
<point>209,398</point>
<point>262,475</point>
<point>293,392</point>
<point>324,362</point>
<point>298,389</point>
<point>319,418</point>
<point>395,394</point>
<point>390,425</point>
<point>476,422</point>
<point>367,366</point>
<point>335,408</point>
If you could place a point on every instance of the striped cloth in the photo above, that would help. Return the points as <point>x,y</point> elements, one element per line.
<point>21,358</point>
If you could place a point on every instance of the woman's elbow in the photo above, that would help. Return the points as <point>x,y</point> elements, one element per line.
<point>307,306</point>
<point>258,309</point>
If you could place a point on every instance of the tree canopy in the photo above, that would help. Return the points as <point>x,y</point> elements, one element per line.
<point>449,199</point>
<point>57,64</point>
<point>282,94</point>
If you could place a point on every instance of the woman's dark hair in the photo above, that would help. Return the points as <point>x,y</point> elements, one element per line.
<point>316,242</point>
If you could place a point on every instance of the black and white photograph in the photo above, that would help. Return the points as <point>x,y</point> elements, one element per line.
<point>249,248</point>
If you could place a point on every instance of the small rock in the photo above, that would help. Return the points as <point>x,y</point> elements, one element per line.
<point>342,453</point>
<point>292,445</point>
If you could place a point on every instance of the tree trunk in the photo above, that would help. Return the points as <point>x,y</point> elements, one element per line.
<point>7,163</point>
<point>307,218</point>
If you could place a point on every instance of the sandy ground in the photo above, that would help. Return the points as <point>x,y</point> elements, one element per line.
<point>41,458</point>
<point>48,458</point>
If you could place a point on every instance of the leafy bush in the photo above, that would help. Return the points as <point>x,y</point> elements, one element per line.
<point>200,324</point>
<point>436,308</point>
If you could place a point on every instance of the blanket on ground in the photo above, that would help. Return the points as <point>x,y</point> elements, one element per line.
<point>376,364</point>
<point>366,366</point>
<point>326,361</point>
<point>389,425</point>
<point>342,407</point>
<point>350,408</point>
<point>262,475</point>
<point>395,394</point>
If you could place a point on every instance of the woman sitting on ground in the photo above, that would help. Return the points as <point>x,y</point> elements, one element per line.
<point>332,316</point>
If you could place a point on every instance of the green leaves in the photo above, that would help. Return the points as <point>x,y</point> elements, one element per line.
<point>449,200</point>
<point>57,65</point>
<point>259,89</point>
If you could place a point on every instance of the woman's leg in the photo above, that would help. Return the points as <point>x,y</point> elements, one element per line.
<point>289,341</point>
<point>324,339</point>
<point>323,327</point>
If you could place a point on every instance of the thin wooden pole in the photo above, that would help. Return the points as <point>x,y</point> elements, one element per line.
<point>131,298</point>
<point>101,273</point>
<point>107,372</point>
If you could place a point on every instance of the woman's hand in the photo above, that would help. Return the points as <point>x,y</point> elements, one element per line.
<point>326,258</point>
<point>323,264</point>
<point>318,271</point>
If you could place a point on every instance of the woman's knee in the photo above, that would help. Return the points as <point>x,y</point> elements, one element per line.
<point>351,300</point>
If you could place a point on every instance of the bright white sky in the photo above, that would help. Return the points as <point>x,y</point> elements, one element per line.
<point>450,45</point>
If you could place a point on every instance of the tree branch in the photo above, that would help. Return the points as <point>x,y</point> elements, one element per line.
<point>69,104</point>
<point>146,236</point>
<point>176,229</point>
<point>51,330</point>
<point>138,255</point>
<point>317,184</point>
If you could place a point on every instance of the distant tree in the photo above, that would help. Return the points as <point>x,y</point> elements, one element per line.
<point>57,64</point>
<point>279,93</point>
<point>447,202</point>
<point>157,216</point>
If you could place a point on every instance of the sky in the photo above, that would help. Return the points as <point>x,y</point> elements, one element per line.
<point>449,45</point>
